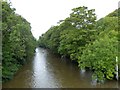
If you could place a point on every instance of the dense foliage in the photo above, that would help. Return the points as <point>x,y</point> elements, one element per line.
<point>100,56</point>
<point>93,44</point>
<point>18,43</point>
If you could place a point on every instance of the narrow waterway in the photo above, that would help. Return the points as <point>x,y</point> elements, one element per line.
<point>49,71</point>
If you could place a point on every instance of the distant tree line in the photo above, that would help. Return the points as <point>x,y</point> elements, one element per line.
<point>18,43</point>
<point>94,44</point>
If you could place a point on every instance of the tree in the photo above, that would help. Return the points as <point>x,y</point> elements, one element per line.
<point>18,43</point>
<point>82,18</point>
<point>74,39</point>
<point>93,44</point>
<point>100,56</point>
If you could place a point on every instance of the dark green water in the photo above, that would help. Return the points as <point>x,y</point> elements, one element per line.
<point>49,71</point>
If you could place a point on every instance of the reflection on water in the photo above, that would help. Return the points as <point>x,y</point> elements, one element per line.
<point>49,71</point>
<point>43,76</point>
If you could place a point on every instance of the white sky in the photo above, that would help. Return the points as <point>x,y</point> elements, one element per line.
<point>42,14</point>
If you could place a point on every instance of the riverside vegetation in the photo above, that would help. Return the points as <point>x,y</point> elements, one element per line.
<point>18,43</point>
<point>93,44</point>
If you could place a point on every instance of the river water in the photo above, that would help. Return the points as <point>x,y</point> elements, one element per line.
<point>47,70</point>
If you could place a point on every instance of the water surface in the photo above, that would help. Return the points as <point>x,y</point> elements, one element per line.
<point>47,70</point>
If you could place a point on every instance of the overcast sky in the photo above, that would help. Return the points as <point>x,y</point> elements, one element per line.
<point>42,14</point>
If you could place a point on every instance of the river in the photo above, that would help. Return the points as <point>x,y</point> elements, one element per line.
<point>47,70</point>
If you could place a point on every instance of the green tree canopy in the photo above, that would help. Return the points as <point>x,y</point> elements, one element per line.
<point>18,43</point>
